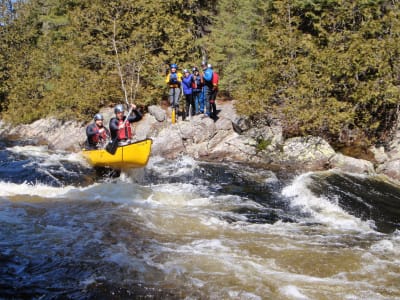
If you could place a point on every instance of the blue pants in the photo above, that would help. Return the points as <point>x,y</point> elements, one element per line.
<point>196,98</point>
<point>202,100</point>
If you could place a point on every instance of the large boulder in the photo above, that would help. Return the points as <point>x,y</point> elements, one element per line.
<point>351,165</point>
<point>305,153</point>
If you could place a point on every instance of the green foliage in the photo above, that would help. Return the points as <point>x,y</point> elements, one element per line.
<point>58,56</point>
<point>325,65</point>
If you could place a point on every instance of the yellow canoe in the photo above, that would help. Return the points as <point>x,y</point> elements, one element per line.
<point>135,155</point>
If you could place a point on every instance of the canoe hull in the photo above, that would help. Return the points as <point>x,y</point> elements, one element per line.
<point>135,155</point>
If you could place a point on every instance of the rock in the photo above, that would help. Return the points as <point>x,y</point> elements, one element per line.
<point>168,143</point>
<point>158,113</point>
<point>307,153</point>
<point>391,169</point>
<point>240,125</point>
<point>58,134</point>
<point>144,128</point>
<point>380,155</point>
<point>351,165</point>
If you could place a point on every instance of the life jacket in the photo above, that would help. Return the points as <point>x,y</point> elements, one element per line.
<point>215,80</point>
<point>125,132</point>
<point>99,136</point>
<point>196,84</point>
<point>95,136</point>
<point>174,80</point>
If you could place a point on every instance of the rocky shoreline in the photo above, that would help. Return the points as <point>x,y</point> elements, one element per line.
<point>227,139</point>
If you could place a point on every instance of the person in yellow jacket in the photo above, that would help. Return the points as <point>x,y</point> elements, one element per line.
<point>174,80</point>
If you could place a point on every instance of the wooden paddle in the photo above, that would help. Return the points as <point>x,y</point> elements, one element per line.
<point>112,147</point>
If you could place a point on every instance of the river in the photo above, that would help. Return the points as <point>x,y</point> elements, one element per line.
<point>183,229</point>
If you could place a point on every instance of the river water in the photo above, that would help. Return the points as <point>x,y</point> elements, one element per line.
<point>183,229</point>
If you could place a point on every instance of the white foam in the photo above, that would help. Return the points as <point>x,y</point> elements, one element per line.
<point>47,157</point>
<point>292,292</point>
<point>11,189</point>
<point>321,209</point>
<point>182,166</point>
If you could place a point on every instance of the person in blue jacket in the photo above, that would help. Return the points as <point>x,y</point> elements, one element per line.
<point>208,88</point>
<point>187,82</point>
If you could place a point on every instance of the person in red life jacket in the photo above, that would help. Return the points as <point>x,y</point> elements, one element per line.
<point>97,134</point>
<point>119,128</point>
<point>214,92</point>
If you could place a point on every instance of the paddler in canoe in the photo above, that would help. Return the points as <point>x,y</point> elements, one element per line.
<point>120,129</point>
<point>97,134</point>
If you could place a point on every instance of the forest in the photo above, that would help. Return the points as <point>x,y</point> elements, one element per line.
<point>328,68</point>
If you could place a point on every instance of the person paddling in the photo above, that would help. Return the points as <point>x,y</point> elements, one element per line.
<point>121,130</point>
<point>97,134</point>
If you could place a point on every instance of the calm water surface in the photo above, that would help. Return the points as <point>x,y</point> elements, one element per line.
<point>188,230</point>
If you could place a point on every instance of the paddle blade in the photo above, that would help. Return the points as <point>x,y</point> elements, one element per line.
<point>112,147</point>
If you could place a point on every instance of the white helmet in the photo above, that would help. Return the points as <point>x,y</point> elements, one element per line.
<point>119,108</point>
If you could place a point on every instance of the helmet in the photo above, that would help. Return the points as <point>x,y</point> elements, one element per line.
<point>195,69</point>
<point>173,66</point>
<point>119,108</point>
<point>185,71</point>
<point>203,63</point>
<point>98,117</point>
<point>209,66</point>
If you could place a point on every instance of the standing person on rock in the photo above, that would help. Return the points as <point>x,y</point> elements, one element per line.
<point>187,81</point>
<point>196,89</point>
<point>174,81</point>
<point>208,87</point>
<point>214,92</point>
<point>97,134</point>
<point>119,128</point>
<point>202,95</point>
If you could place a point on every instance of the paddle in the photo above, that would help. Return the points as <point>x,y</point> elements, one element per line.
<point>112,147</point>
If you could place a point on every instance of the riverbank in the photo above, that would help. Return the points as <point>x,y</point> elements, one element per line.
<point>227,138</point>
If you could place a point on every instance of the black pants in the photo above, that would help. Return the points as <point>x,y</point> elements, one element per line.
<point>189,101</point>
<point>213,106</point>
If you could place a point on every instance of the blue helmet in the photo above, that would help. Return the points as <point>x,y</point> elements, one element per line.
<point>119,108</point>
<point>173,66</point>
<point>98,117</point>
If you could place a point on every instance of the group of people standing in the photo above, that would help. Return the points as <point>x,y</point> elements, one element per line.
<point>199,89</point>
<point>120,127</point>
